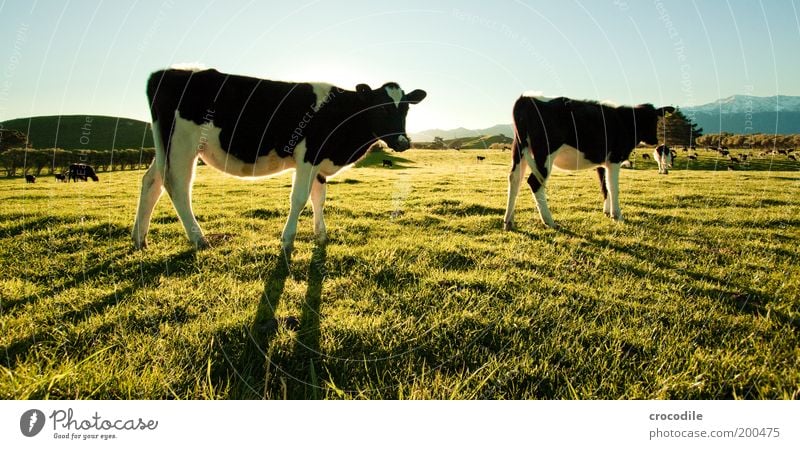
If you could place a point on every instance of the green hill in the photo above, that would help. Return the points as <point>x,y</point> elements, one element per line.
<point>90,132</point>
<point>469,143</point>
<point>480,142</point>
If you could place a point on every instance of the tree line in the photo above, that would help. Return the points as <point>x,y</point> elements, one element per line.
<point>24,161</point>
<point>756,141</point>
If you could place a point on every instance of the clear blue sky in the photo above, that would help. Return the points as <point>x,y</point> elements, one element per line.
<point>473,58</point>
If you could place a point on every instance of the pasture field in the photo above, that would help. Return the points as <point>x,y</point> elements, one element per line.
<point>419,294</point>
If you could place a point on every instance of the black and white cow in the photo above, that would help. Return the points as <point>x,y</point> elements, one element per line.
<point>81,172</point>
<point>663,157</point>
<point>574,135</point>
<point>252,128</point>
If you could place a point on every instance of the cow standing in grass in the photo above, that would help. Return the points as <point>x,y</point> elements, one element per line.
<point>252,128</point>
<point>663,157</point>
<point>573,135</point>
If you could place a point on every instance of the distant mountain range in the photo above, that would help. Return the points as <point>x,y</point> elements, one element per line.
<point>83,132</point>
<point>738,114</point>
<point>458,133</point>
<point>747,114</point>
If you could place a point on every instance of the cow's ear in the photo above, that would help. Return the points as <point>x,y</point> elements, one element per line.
<point>415,96</point>
<point>364,92</point>
<point>665,111</point>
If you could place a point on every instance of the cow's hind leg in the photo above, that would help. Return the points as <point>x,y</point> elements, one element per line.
<point>178,179</point>
<point>540,170</point>
<point>612,184</point>
<point>301,188</point>
<point>601,173</point>
<point>318,203</point>
<point>152,188</point>
<point>514,181</point>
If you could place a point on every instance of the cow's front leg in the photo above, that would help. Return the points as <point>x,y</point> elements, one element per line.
<point>318,189</point>
<point>612,184</point>
<point>301,188</point>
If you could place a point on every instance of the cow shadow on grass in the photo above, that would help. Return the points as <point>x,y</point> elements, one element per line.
<point>259,370</point>
<point>737,297</point>
<point>145,271</point>
<point>141,274</point>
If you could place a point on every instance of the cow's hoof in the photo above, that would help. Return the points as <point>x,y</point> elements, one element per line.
<point>140,245</point>
<point>553,225</point>
<point>617,217</point>
<point>287,249</point>
<point>508,225</point>
<point>322,239</point>
<point>202,244</point>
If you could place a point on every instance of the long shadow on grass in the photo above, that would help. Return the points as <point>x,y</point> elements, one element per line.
<point>259,371</point>
<point>307,346</point>
<point>149,272</point>
<point>740,298</point>
<point>146,272</point>
<point>18,350</point>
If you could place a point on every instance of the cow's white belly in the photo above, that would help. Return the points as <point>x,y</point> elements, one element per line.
<point>569,158</point>
<point>204,139</point>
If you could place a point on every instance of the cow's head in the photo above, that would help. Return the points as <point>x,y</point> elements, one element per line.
<point>646,120</point>
<point>386,109</point>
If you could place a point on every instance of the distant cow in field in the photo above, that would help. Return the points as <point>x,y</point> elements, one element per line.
<point>387,163</point>
<point>663,157</point>
<point>645,156</point>
<point>693,157</point>
<point>481,158</point>
<point>724,152</point>
<point>81,172</point>
<point>734,160</point>
<point>792,157</point>
<point>574,135</point>
<point>626,164</point>
<point>254,128</point>
<point>30,179</point>
<point>61,177</point>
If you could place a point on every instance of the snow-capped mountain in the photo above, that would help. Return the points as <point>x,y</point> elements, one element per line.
<point>747,114</point>
<point>738,114</point>
<point>743,104</point>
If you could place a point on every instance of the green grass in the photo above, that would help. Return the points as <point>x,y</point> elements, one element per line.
<point>419,294</point>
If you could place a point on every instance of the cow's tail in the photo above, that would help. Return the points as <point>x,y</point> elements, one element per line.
<point>163,104</point>
<point>520,129</point>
